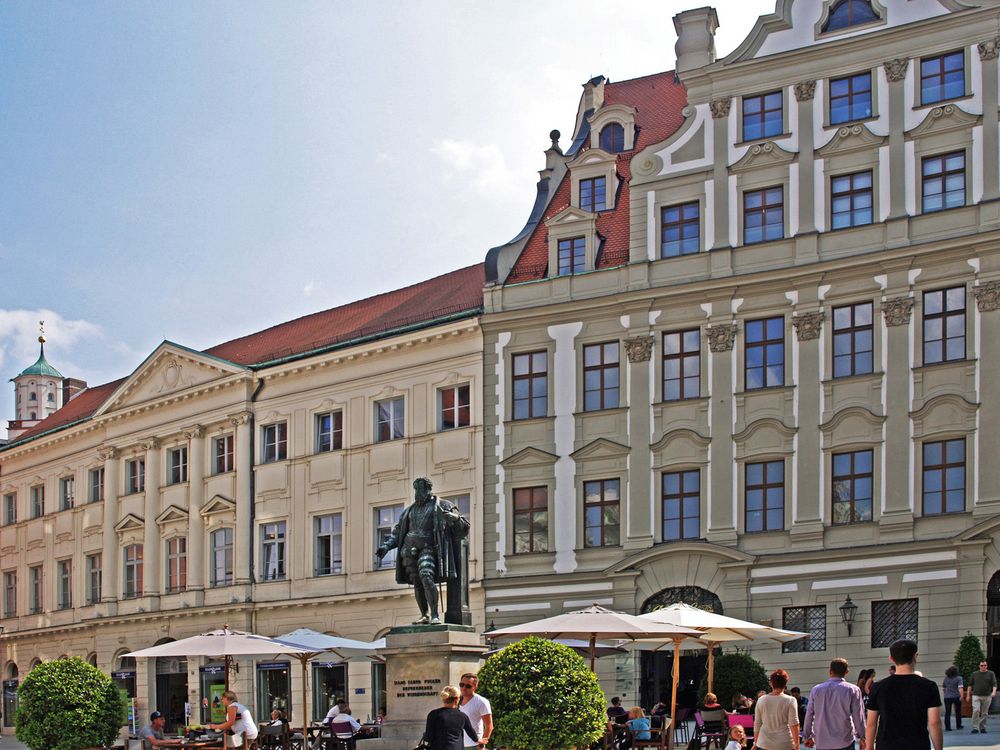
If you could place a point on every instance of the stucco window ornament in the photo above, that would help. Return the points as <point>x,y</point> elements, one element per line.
<point>639,348</point>
<point>895,70</point>
<point>720,107</point>
<point>722,337</point>
<point>805,90</point>
<point>989,49</point>
<point>987,296</point>
<point>897,311</point>
<point>808,325</point>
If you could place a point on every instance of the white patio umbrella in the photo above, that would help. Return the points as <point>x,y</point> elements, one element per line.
<point>601,649</point>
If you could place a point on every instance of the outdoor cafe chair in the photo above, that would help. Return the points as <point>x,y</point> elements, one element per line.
<point>274,737</point>
<point>710,726</point>
<point>743,720</point>
<point>681,731</point>
<point>657,736</point>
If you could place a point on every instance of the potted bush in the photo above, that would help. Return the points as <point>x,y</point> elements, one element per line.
<point>737,672</point>
<point>68,705</point>
<point>967,658</point>
<point>544,697</point>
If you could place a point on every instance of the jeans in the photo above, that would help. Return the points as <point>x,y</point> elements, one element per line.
<point>980,711</point>
<point>949,704</point>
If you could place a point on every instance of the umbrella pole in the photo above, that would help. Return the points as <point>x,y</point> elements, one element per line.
<point>225,661</point>
<point>593,650</point>
<point>303,658</point>
<point>673,693</point>
<point>711,664</point>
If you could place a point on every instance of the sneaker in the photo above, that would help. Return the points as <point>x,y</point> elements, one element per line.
<point>974,731</point>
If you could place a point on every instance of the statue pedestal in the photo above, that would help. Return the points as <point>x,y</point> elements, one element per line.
<point>420,660</point>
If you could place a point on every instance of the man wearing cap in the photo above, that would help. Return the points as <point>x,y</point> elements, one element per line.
<point>151,735</point>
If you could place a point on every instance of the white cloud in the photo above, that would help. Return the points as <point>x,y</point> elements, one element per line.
<point>383,157</point>
<point>482,165</point>
<point>19,335</point>
<point>311,288</point>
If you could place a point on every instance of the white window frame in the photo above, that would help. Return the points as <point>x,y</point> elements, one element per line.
<point>274,442</point>
<point>177,465</point>
<point>225,549</point>
<point>396,418</point>
<point>331,541</point>
<point>273,547</point>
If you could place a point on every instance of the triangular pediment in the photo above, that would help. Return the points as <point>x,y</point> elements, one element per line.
<point>765,154</point>
<point>218,504</point>
<point>529,457</point>
<point>851,138</point>
<point>172,514</point>
<point>943,119</point>
<point>570,215</point>
<point>130,522</point>
<point>984,530</point>
<point>169,370</point>
<point>600,448</point>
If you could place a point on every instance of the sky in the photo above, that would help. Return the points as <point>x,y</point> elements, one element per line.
<point>198,171</point>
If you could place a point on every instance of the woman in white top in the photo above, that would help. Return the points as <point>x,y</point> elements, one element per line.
<point>238,721</point>
<point>776,717</point>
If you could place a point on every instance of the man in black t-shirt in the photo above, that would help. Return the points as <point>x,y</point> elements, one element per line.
<point>904,709</point>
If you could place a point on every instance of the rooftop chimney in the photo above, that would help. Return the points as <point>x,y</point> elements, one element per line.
<point>695,46</point>
<point>593,93</point>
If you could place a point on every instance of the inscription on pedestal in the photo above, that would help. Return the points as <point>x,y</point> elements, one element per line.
<point>428,688</point>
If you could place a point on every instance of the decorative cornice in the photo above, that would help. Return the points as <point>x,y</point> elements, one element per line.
<point>639,348</point>
<point>987,296</point>
<point>805,90</point>
<point>195,431</point>
<point>895,70</point>
<point>237,419</point>
<point>808,325</point>
<point>720,107</point>
<point>989,49</point>
<point>897,311</point>
<point>721,337</point>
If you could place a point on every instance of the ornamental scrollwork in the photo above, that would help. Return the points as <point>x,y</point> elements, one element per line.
<point>989,49</point>
<point>639,348</point>
<point>895,70</point>
<point>722,337</point>
<point>805,91</point>
<point>808,325</point>
<point>720,107</point>
<point>897,311</point>
<point>987,296</point>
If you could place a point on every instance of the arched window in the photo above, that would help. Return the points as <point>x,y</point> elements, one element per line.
<point>850,13</point>
<point>32,396</point>
<point>50,397</point>
<point>612,138</point>
<point>34,663</point>
<point>92,659</point>
<point>692,595</point>
<point>34,415</point>
<point>12,671</point>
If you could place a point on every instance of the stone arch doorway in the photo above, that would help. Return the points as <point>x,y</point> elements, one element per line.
<point>171,687</point>
<point>656,667</point>
<point>993,622</point>
<point>10,682</point>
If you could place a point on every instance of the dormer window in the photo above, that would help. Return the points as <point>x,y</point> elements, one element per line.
<point>572,255</point>
<point>612,138</point>
<point>593,194</point>
<point>847,13</point>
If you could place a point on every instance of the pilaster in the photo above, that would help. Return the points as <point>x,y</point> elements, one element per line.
<point>807,512</point>
<point>988,52</point>
<point>152,571</point>
<point>987,296</point>
<point>805,92</point>
<point>721,527</point>
<point>196,499</point>
<point>110,550</point>
<point>896,521</point>
<point>720,173</point>
<point>639,533</point>
<point>895,71</point>
<point>244,534</point>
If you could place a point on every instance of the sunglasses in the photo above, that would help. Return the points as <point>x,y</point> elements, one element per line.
<point>465,684</point>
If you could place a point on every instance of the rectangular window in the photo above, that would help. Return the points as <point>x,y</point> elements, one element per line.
<point>275,443</point>
<point>176,565</point>
<point>93,579</point>
<point>177,465</point>
<point>329,545</point>
<point>894,620</point>
<point>765,496</point>
<point>593,194</point>
<point>600,376</point>
<point>681,365</point>
<point>223,453</point>
<point>37,494</point>
<point>680,230</point>
<point>272,558</point>
<point>811,620</point>
<point>681,497</point>
<point>67,490</point>
<point>222,557</point>
<point>10,509</point>
<point>850,98</point>
<point>132,571</point>
<point>10,594</point>
<point>572,255</point>
<point>764,348</point>
<point>531,380</point>
<point>464,505</point>
<point>944,325</point>
<point>96,483</point>
<point>386,519</point>
<point>853,340</point>
<point>851,200</point>
<point>64,581</point>
<point>944,477</point>
<point>602,513</point>
<point>943,182</point>
<point>389,420</point>
<point>135,476</point>
<point>35,590</point>
<point>531,520</point>
<point>329,431</point>
<point>762,116</point>
<point>852,487</point>
<point>454,407</point>
<point>763,215</point>
<point>942,77</point>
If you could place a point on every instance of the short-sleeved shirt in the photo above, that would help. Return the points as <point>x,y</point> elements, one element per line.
<point>774,715</point>
<point>902,701</point>
<point>640,726</point>
<point>982,683</point>
<point>475,709</point>
<point>953,687</point>
<point>148,733</point>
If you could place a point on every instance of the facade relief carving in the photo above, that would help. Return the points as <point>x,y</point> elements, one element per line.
<point>805,91</point>
<point>106,454</point>
<point>239,419</point>
<point>196,431</point>
<point>989,49</point>
<point>897,311</point>
<point>722,337</point>
<point>720,107</point>
<point>987,296</point>
<point>808,325</point>
<point>895,70</point>
<point>150,444</point>
<point>639,348</point>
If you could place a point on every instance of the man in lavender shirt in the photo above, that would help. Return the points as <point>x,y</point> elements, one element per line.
<point>834,716</point>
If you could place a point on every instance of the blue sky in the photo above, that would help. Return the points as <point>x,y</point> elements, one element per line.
<point>197,171</point>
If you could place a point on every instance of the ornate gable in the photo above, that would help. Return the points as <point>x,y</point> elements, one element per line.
<point>763,155</point>
<point>851,138</point>
<point>943,119</point>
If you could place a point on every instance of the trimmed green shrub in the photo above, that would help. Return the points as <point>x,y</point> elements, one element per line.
<point>737,672</point>
<point>68,705</point>
<point>544,697</point>
<point>968,656</point>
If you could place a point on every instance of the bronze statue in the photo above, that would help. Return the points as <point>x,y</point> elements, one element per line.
<point>430,538</point>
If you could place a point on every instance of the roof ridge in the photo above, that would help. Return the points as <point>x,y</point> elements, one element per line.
<point>639,78</point>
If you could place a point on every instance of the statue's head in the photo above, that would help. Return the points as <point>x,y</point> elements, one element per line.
<point>423,487</point>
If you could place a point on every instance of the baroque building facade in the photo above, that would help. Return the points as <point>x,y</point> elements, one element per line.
<point>743,353</point>
<point>246,485</point>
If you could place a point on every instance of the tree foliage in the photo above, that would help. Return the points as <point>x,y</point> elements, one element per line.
<point>543,696</point>
<point>68,705</point>
<point>968,656</point>
<point>735,673</point>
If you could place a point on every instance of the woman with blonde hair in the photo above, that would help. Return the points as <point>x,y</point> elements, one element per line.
<point>239,722</point>
<point>445,725</point>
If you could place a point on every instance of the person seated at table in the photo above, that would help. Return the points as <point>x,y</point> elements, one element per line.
<point>616,709</point>
<point>152,734</point>
<point>741,704</point>
<point>239,723</point>
<point>711,703</point>
<point>344,726</point>
<point>335,709</point>
<point>638,722</point>
<point>277,718</point>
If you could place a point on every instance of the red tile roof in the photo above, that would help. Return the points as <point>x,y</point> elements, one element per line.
<point>658,100</point>
<point>451,295</point>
